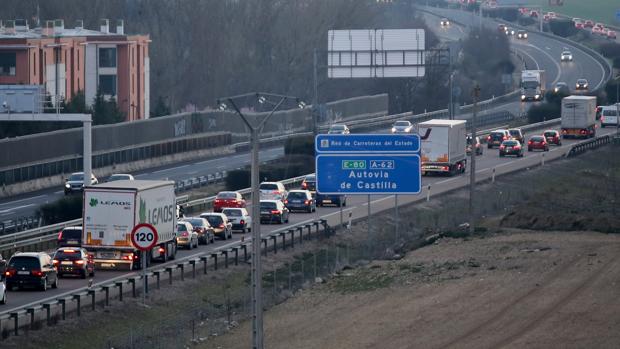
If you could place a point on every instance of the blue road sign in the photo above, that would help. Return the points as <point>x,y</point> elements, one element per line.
<point>368,174</point>
<point>367,143</point>
<point>618,15</point>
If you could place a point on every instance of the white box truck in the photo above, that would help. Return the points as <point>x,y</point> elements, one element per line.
<point>444,150</point>
<point>112,210</point>
<point>533,85</point>
<point>578,117</point>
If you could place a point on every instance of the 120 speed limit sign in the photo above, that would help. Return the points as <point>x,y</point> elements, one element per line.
<point>144,236</point>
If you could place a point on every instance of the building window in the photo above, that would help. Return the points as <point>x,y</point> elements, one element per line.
<point>107,57</point>
<point>107,84</point>
<point>7,63</point>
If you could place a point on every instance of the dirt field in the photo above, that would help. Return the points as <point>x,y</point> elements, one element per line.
<point>515,290</point>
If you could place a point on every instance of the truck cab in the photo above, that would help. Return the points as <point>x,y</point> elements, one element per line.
<point>532,85</point>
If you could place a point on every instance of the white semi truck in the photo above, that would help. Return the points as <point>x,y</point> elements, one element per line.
<point>578,116</point>
<point>533,85</point>
<point>444,150</point>
<point>112,210</point>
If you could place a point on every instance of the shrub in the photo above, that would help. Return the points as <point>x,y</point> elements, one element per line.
<point>62,210</point>
<point>610,50</point>
<point>526,21</point>
<point>543,112</point>
<point>562,27</point>
<point>300,145</point>
<point>616,63</point>
<point>286,167</point>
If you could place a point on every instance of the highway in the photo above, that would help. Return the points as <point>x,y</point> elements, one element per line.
<point>542,50</point>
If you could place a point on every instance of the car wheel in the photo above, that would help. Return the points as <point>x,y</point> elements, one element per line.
<point>55,284</point>
<point>3,301</point>
<point>212,239</point>
<point>287,217</point>
<point>529,149</point>
<point>230,234</point>
<point>44,286</point>
<point>83,274</point>
<point>547,149</point>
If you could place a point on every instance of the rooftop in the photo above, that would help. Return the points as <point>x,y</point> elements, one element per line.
<point>20,29</point>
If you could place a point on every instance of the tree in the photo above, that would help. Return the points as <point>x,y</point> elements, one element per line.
<point>106,112</point>
<point>161,108</point>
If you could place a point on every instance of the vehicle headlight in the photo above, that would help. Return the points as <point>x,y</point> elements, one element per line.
<point>393,129</point>
<point>525,35</point>
<point>570,57</point>
<point>67,185</point>
<point>522,96</point>
<point>537,96</point>
<point>556,89</point>
<point>585,85</point>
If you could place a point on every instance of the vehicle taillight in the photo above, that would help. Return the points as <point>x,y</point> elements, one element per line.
<point>307,202</point>
<point>530,142</point>
<point>37,273</point>
<point>488,138</point>
<point>285,202</point>
<point>79,262</point>
<point>504,138</point>
<point>60,235</point>
<point>501,147</point>
<point>161,250</point>
<point>304,185</point>
<point>275,212</point>
<point>55,261</point>
<point>127,257</point>
<point>135,256</point>
<point>10,272</point>
<point>185,234</point>
<point>517,147</point>
<point>218,201</point>
<point>446,168</point>
<point>583,132</point>
<point>242,222</point>
<point>221,225</point>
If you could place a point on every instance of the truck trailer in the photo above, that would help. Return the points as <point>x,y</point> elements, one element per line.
<point>533,85</point>
<point>444,150</point>
<point>578,117</point>
<point>112,210</point>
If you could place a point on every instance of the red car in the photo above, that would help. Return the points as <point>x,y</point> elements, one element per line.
<point>534,14</point>
<point>579,25</point>
<point>588,23</point>
<point>228,199</point>
<point>611,35</point>
<point>538,143</point>
<point>552,137</point>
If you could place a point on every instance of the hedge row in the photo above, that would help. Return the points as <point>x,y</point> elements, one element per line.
<point>62,210</point>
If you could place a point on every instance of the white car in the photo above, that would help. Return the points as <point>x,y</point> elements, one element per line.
<point>402,126</point>
<point>2,292</point>
<point>120,177</point>
<point>444,22</point>
<point>186,235</point>
<point>272,191</point>
<point>522,34</point>
<point>240,219</point>
<point>566,56</point>
<point>339,129</point>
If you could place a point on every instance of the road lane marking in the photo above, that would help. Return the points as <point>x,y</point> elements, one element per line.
<point>15,208</point>
<point>25,199</point>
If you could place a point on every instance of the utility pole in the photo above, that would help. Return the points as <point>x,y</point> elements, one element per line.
<point>472,173</point>
<point>315,97</point>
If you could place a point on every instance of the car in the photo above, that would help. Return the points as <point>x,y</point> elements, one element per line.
<point>478,146</point>
<point>534,14</point>
<point>510,31</point>
<point>516,133</point>
<point>553,137</point>
<point>588,23</point>
<point>75,182</point>
<point>546,17</point>
<point>501,28</point>
<point>31,270</point>
<point>309,183</point>
<point>599,109</point>
<point>331,199</point>
<point>582,84</point>
<point>577,20</point>
<point>511,147</point>
<point>300,200</point>
<point>225,199</point>
<point>186,236</point>
<point>552,15</point>
<point>272,191</point>
<point>203,229</point>
<point>402,126</point>
<point>239,218</point>
<point>273,211</point>
<point>579,25</point>
<point>600,26</point>
<point>74,261</point>
<point>566,56</point>
<point>611,34</point>
<point>444,22</point>
<point>521,34</point>
<point>561,87</point>
<point>120,177</point>
<point>537,142</point>
<point>497,137</point>
<point>597,30</point>
<point>222,227</point>
<point>69,237</point>
<point>609,116</point>
<point>339,129</point>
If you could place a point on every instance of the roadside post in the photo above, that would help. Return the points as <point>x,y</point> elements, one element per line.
<point>144,237</point>
<point>368,164</point>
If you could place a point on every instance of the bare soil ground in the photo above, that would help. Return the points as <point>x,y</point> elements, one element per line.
<point>517,289</point>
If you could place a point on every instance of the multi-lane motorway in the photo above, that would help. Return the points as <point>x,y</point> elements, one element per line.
<point>542,50</point>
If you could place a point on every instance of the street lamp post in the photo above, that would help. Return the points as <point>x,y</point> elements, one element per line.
<point>256,268</point>
<point>472,173</point>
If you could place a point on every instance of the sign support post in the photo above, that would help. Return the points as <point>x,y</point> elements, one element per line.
<point>144,237</point>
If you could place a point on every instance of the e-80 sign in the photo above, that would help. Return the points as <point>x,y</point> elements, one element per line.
<point>144,236</point>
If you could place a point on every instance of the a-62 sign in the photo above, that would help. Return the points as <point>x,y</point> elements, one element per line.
<point>144,236</point>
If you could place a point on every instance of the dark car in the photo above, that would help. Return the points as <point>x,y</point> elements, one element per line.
<point>553,137</point>
<point>222,227</point>
<point>300,200</point>
<point>561,87</point>
<point>511,147</point>
<point>537,143</point>
<point>70,237</point>
<point>273,211</point>
<point>331,199</point>
<point>74,261</point>
<point>478,146</point>
<point>582,84</point>
<point>202,228</point>
<point>309,183</point>
<point>516,133</point>
<point>31,269</point>
<point>497,137</point>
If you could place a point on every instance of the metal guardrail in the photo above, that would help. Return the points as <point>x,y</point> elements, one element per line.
<point>584,146</point>
<point>43,311</point>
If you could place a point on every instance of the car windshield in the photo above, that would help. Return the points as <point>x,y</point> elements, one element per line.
<point>227,195</point>
<point>77,177</point>
<point>181,228</point>
<point>609,112</point>
<point>582,81</point>
<point>566,53</point>
<point>549,134</point>
<point>118,178</point>
<point>68,254</point>
<point>297,195</point>
<point>71,234</point>
<point>269,186</point>
<point>529,84</point>
<point>214,220</point>
<point>510,143</point>
<point>196,222</point>
<point>537,138</point>
<point>268,205</point>
<point>497,135</point>
<point>232,213</point>
<point>515,133</point>
<point>560,85</point>
<point>402,123</point>
<point>24,262</point>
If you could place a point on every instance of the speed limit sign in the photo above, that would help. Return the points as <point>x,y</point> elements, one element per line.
<point>144,236</point>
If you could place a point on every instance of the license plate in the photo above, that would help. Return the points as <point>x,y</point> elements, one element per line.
<point>108,265</point>
<point>508,148</point>
<point>66,263</point>
<point>327,201</point>
<point>23,272</point>
<point>107,254</point>
<point>262,212</point>
<point>72,241</point>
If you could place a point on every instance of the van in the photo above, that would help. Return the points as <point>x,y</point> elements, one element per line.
<point>70,237</point>
<point>609,116</point>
